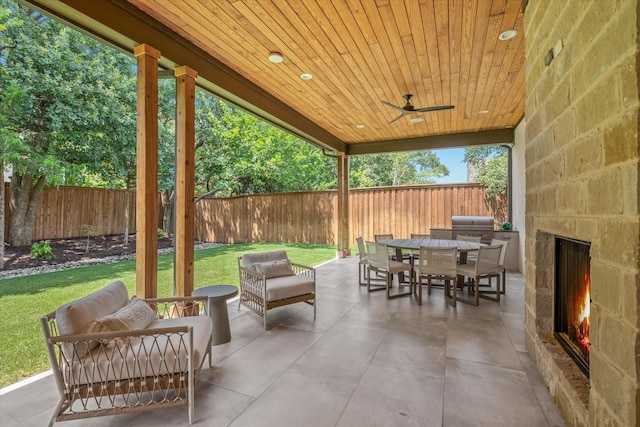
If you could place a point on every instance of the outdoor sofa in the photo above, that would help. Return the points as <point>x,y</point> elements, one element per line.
<point>113,355</point>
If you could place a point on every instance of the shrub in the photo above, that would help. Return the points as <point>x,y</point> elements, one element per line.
<point>160,233</point>
<point>41,250</point>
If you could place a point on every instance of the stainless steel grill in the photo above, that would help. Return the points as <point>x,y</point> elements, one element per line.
<point>473,226</point>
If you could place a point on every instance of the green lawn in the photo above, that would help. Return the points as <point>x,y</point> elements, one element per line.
<point>25,299</point>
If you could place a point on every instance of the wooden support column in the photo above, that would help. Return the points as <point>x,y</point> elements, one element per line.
<point>185,177</point>
<point>343,205</point>
<point>147,172</point>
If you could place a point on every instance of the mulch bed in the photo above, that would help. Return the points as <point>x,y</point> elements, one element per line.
<point>68,250</point>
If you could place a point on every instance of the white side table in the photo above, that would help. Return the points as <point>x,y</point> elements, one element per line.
<point>217,298</point>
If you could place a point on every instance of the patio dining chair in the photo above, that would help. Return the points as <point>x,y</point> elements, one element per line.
<point>438,263</point>
<point>392,252</point>
<point>416,254</point>
<point>503,270</point>
<point>363,263</point>
<point>378,255</point>
<point>470,257</point>
<point>486,266</point>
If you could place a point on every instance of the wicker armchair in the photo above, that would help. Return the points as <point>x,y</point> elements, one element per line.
<point>126,370</point>
<point>269,280</point>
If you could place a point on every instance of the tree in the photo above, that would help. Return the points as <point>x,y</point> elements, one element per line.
<point>492,165</point>
<point>237,153</point>
<point>373,170</point>
<point>58,92</point>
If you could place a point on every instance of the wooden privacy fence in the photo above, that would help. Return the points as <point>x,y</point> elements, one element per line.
<point>303,217</point>
<point>63,211</point>
<point>312,217</point>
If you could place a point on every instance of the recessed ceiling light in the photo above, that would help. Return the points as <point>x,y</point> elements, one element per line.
<point>483,111</point>
<point>508,35</point>
<point>417,120</point>
<point>276,57</point>
<point>360,126</point>
<point>306,76</point>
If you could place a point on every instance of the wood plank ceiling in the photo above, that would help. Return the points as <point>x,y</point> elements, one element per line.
<point>360,53</point>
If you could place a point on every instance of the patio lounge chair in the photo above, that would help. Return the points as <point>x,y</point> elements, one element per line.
<point>269,280</point>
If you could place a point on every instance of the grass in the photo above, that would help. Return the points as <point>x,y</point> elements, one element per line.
<point>25,299</point>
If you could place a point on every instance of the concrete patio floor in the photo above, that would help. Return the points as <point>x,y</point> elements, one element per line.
<point>365,361</point>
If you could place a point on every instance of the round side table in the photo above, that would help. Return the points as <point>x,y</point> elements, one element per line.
<point>217,298</point>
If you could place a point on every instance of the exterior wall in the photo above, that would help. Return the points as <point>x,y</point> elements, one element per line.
<point>518,188</point>
<point>582,182</point>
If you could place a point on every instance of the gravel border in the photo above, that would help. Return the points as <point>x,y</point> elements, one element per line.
<point>9,274</point>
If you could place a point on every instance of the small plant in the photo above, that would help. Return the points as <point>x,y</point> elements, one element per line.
<point>160,233</point>
<point>41,250</point>
<point>89,230</point>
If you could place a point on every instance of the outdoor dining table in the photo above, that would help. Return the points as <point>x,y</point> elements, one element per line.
<point>414,244</point>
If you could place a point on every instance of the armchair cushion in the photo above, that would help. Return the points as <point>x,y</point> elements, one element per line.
<point>78,316</point>
<point>272,269</point>
<point>248,260</point>
<point>280,288</point>
<point>135,315</point>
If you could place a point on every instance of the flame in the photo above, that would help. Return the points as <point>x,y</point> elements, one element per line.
<point>586,306</point>
<point>582,328</point>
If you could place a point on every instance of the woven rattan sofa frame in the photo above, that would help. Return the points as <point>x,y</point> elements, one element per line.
<point>110,390</point>
<point>253,290</point>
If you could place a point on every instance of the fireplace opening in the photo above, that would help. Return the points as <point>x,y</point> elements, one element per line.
<point>573,299</point>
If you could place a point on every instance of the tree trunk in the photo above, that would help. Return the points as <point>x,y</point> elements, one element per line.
<point>23,207</point>
<point>168,223</point>
<point>127,213</point>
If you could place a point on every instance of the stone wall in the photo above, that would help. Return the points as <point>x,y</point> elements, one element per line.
<point>582,182</point>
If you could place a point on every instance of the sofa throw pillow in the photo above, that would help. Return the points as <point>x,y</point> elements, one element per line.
<point>274,268</point>
<point>135,315</point>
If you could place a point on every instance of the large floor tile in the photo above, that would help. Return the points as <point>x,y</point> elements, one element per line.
<point>297,400</point>
<point>482,341</point>
<point>481,395</point>
<point>256,366</point>
<point>391,397</point>
<point>342,355</point>
<point>414,347</point>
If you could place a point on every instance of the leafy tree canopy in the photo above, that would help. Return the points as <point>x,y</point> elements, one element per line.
<point>492,165</point>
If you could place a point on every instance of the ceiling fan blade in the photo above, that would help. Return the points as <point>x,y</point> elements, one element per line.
<point>397,118</point>
<point>392,106</point>
<point>439,107</point>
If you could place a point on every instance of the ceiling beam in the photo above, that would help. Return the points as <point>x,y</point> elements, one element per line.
<point>123,26</point>
<point>456,140</point>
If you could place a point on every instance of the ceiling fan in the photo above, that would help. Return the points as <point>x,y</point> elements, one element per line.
<point>410,109</point>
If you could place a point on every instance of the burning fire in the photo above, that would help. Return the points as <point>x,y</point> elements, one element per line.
<point>582,328</point>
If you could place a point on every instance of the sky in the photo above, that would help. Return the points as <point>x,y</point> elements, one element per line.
<point>452,158</point>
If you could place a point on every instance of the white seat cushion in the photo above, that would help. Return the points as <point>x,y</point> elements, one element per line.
<point>288,286</point>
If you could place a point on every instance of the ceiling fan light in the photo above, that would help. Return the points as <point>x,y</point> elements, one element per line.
<point>417,119</point>
<point>276,57</point>
<point>508,35</point>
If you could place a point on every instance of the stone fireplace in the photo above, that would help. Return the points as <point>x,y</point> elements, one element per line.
<point>582,160</point>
